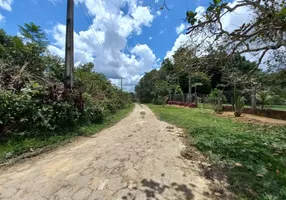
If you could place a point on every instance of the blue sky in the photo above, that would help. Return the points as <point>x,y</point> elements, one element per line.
<point>127,38</point>
<point>47,14</point>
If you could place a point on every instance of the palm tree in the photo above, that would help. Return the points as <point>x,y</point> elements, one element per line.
<point>34,33</point>
<point>264,98</point>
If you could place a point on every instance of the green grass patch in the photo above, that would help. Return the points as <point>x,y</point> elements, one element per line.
<point>260,149</point>
<point>278,107</point>
<point>16,147</point>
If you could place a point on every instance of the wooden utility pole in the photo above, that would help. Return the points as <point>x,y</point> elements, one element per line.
<point>121,84</point>
<point>69,53</point>
<point>190,86</point>
<point>253,98</point>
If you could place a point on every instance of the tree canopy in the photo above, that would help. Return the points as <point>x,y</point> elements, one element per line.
<point>261,34</point>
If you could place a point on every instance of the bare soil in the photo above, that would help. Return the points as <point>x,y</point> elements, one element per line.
<point>254,119</point>
<point>138,158</point>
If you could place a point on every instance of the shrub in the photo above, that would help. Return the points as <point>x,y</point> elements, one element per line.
<point>160,100</point>
<point>22,114</point>
<point>92,114</point>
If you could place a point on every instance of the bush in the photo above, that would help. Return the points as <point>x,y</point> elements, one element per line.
<point>22,114</point>
<point>160,100</point>
<point>33,101</point>
<point>214,96</point>
<point>92,114</point>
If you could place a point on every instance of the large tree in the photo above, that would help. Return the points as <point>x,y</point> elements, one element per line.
<point>264,32</point>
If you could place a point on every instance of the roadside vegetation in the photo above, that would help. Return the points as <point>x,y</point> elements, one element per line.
<point>245,61</point>
<point>213,77</point>
<point>35,108</point>
<point>242,66</point>
<point>252,157</point>
<point>17,146</point>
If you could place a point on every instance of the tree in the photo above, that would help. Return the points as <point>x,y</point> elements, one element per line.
<point>263,33</point>
<point>32,92</point>
<point>54,67</point>
<point>146,85</point>
<point>161,92</point>
<point>34,34</point>
<point>20,59</point>
<point>264,98</point>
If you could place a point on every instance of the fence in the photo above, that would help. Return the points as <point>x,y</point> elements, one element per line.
<point>187,98</point>
<point>252,101</point>
<point>249,97</point>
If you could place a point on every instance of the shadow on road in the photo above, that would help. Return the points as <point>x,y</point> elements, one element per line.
<point>155,190</point>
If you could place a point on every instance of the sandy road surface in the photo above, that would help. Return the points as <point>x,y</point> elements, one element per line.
<point>139,158</point>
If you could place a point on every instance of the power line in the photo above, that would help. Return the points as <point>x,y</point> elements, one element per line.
<point>114,4</point>
<point>103,18</point>
<point>112,23</point>
<point>108,36</point>
<point>139,22</point>
<point>88,18</point>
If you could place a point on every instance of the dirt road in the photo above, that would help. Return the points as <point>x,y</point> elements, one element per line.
<point>139,158</point>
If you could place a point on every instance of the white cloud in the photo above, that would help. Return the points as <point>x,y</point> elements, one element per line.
<point>128,84</point>
<point>6,4</point>
<point>183,39</point>
<point>55,1</point>
<point>230,22</point>
<point>161,32</point>
<point>150,38</point>
<point>158,12</point>
<point>105,42</point>
<point>180,28</point>
<point>2,18</point>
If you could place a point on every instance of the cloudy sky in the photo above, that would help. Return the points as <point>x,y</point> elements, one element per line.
<point>123,38</point>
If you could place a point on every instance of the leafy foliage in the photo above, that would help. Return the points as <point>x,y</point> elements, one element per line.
<point>263,33</point>
<point>206,73</point>
<point>33,100</point>
<point>264,98</point>
<point>34,34</point>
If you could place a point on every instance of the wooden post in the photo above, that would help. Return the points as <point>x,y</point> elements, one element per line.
<point>69,51</point>
<point>121,84</point>
<point>253,98</point>
<point>219,100</point>
<point>190,88</point>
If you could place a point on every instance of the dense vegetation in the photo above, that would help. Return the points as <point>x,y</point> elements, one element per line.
<point>214,55</point>
<point>209,73</point>
<point>34,103</point>
<point>251,156</point>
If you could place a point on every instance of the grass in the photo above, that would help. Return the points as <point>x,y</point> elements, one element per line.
<point>278,107</point>
<point>16,147</point>
<point>271,107</point>
<point>260,149</point>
